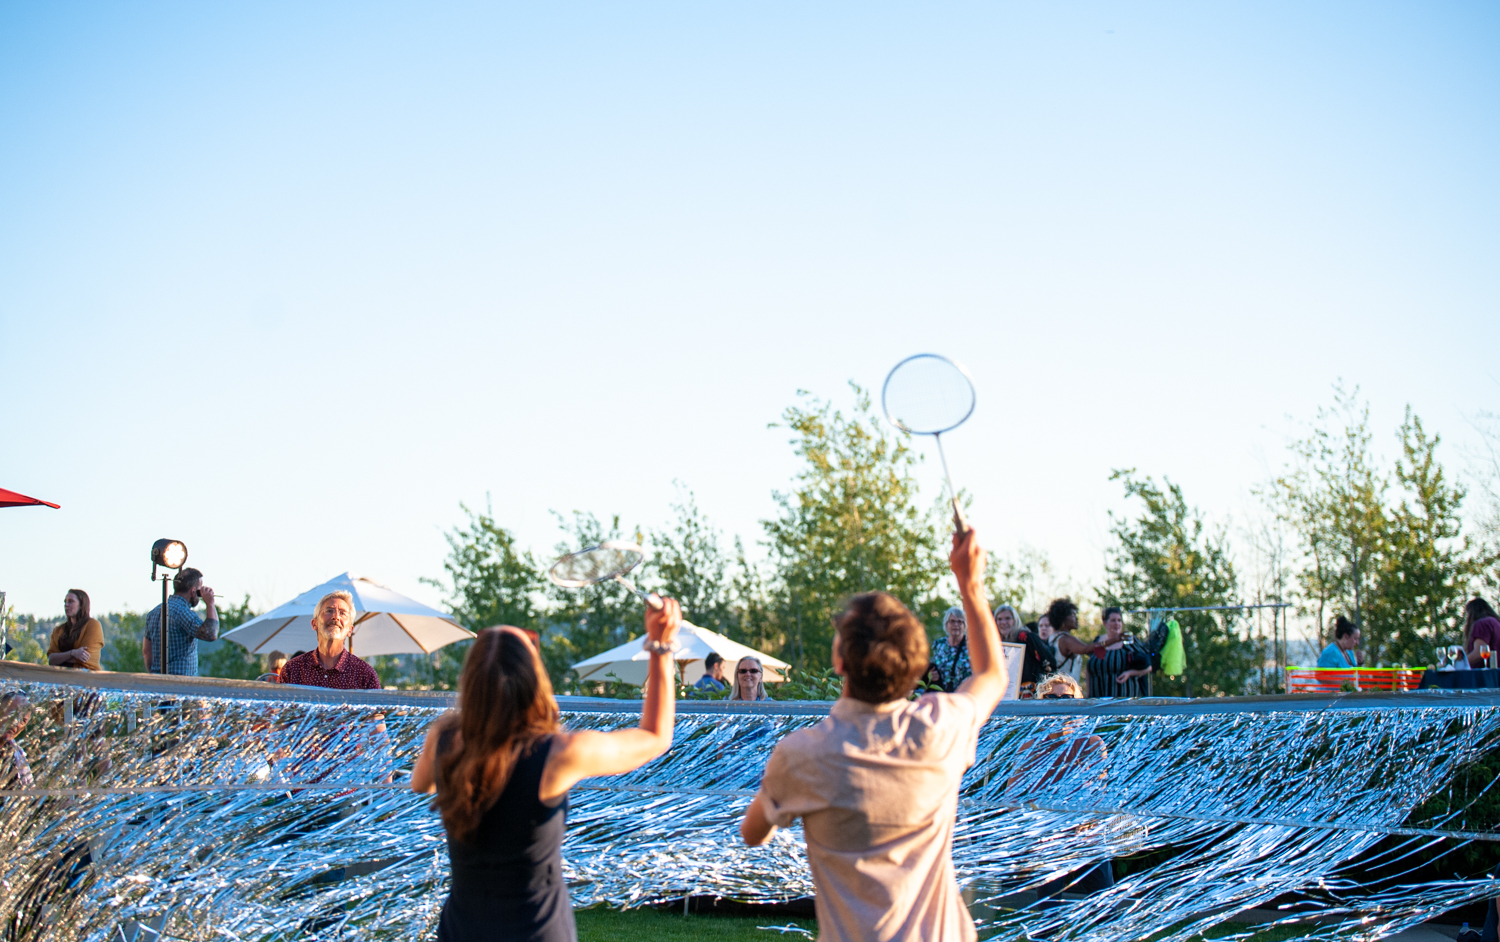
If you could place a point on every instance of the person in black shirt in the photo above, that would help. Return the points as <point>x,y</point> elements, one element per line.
<point>1119,666</point>
<point>1039,659</point>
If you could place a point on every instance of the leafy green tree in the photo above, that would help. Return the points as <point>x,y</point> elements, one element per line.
<point>583,622</point>
<point>227,658</point>
<point>122,642</point>
<point>1400,571</point>
<point>491,581</point>
<point>852,523</point>
<point>1427,566</point>
<point>688,563</point>
<point>1334,497</point>
<point>1021,579</point>
<point>1169,557</point>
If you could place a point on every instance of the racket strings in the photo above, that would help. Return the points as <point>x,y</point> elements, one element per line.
<point>927,395</point>
<point>593,565</point>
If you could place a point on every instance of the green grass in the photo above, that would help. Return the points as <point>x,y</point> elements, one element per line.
<point>650,925</point>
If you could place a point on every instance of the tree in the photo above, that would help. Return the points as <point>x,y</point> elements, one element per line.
<point>122,642</point>
<point>227,658</point>
<point>1486,471</point>
<point>1400,571</point>
<point>1334,498</point>
<point>1023,579</point>
<point>580,623</point>
<point>688,563</point>
<point>1424,574</point>
<point>1168,557</point>
<point>851,524</point>
<point>490,582</point>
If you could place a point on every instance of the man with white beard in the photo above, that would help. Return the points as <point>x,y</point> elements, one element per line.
<point>332,664</point>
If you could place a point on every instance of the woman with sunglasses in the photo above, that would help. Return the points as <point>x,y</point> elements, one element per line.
<point>749,680</point>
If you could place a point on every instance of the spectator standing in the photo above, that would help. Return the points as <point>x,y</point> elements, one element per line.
<point>277,661</point>
<point>876,782</point>
<point>501,766</point>
<point>949,658</point>
<point>332,664</point>
<point>1340,653</point>
<point>1038,660</point>
<point>749,680</point>
<point>184,628</point>
<point>79,639</point>
<point>1480,624</point>
<point>1072,653</point>
<point>713,674</point>
<point>1119,666</point>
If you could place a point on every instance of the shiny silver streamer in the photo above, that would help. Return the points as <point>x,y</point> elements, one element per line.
<point>180,808</point>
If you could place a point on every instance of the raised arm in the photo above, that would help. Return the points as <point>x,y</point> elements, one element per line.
<point>988,682</point>
<point>590,752</point>
<point>208,629</point>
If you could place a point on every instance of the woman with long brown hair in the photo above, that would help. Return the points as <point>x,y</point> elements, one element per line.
<point>79,639</point>
<point>501,766</point>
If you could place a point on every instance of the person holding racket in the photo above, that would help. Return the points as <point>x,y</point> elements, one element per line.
<point>876,783</point>
<point>501,766</point>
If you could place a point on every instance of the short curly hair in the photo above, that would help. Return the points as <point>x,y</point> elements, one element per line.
<point>883,646</point>
<point>1059,611</point>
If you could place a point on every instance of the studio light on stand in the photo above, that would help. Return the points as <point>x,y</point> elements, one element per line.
<point>168,554</point>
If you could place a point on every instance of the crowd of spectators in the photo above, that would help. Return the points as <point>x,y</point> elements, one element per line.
<point>78,640</point>
<point>1115,664</point>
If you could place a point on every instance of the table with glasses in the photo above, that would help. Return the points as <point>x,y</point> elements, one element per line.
<point>1459,679</point>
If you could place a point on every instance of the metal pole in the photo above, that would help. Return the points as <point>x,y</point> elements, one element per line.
<point>162,624</point>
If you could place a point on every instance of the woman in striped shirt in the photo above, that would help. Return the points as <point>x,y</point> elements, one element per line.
<point>1118,666</point>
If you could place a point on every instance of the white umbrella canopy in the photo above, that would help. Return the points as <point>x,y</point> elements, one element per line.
<point>385,622</point>
<point>628,662</point>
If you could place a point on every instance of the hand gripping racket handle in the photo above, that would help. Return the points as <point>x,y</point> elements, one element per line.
<point>960,522</point>
<point>651,599</point>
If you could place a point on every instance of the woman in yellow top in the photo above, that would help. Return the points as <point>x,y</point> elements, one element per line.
<point>79,639</point>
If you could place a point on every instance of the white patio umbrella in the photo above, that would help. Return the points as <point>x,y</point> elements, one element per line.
<point>385,622</point>
<point>627,663</point>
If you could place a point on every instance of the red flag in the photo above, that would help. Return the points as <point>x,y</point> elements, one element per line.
<point>12,499</point>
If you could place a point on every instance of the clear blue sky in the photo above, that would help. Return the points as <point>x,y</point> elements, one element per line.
<point>289,281</point>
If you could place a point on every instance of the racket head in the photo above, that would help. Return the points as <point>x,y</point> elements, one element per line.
<point>927,394</point>
<point>596,564</point>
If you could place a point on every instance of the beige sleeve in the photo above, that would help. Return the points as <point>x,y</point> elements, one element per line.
<point>789,788</point>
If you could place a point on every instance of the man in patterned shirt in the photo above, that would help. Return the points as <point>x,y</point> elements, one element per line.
<point>184,628</point>
<point>332,664</point>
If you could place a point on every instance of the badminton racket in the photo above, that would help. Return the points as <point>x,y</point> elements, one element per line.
<point>610,560</point>
<point>928,394</point>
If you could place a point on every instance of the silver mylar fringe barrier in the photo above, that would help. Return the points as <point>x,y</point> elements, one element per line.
<point>188,808</point>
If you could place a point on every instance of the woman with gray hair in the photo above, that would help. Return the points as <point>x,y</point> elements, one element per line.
<point>948,662</point>
<point>749,681</point>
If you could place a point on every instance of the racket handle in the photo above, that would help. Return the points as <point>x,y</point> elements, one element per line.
<point>650,598</point>
<point>960,524</point>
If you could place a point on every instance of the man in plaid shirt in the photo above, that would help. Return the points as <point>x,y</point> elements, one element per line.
<point>331,664</point>
<point>184,628</point>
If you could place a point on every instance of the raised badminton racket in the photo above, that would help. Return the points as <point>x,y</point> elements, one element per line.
<point>610,560</point>
<point>928,394</point>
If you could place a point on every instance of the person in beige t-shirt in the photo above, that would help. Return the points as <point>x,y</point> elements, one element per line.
<point>876,784</point>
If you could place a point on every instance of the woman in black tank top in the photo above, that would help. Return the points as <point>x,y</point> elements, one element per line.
<point>501,766</point>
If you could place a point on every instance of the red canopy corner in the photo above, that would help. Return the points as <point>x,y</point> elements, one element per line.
<point>12,499</point>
